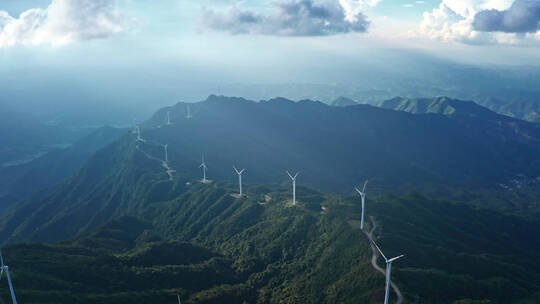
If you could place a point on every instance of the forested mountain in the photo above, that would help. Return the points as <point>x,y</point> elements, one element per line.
<point>151,229</point>
<point>336,147</point>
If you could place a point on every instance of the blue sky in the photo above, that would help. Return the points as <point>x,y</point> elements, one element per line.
<point>236,40</point>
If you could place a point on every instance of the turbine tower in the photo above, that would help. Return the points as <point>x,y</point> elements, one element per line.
<point>5,268</point>
<point>239,178</point>
<point>203,165</point>
<point>168,118</point>
<point>178,295</point>
<point>166,152</point>
<point>139,133</point>
<point>388,271</point>
<point>188,116</point>
<point>363,197</point>
<point>293,179</point>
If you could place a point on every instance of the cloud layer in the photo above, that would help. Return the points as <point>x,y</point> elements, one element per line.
<point>62,22</point>
<point>522,17</point>
<point>478,22</point>
<point>293,18</point>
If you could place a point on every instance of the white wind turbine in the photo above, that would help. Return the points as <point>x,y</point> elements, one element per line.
<point>203,165</point>
<point>178,295</point>
<point>239,178</point>
<point>363,197</point>
<point>168,118</point>
<point>388,271</point>
<point>5,268</point>
<point>293,179</point>
<point>188,116</point>
<point>166,152</point>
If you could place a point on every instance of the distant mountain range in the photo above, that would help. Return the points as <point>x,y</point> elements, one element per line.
<point>521,106</point>
<point>343,102</point>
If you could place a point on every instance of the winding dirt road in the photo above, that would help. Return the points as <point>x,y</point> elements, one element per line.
<point>163,164</point>
<point>375,255</point>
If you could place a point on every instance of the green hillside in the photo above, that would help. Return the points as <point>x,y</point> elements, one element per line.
<point>212,248</point>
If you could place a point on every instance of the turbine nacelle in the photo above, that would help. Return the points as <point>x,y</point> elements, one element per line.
<point>238,172</point>
<point>363,192</point>
<point>382,254</point>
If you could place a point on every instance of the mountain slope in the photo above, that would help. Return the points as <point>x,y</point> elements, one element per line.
<point>443,105</point>
<point>212,247</point>
<point>20,182</point>
<point>276,254</point>
<point>519,104</point>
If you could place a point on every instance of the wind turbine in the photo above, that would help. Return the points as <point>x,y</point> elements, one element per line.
<point>166,152</point>
<point>5,268</point>
<point>203,165</point>
<point>188,116</point>
<point>239,178</point>
<point>363,197</point>
<point>178,295</point>
<point>388,271</point>
<point>293,186</point>
<point>168,118</point>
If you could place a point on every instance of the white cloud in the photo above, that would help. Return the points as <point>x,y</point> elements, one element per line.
<point>453,21</point>
<point>354,8</point>
<point>62,22</point>
<point>292,18</point>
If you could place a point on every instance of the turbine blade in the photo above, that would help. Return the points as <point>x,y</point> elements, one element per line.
<point>242,171</point>
<point>398,257</point>
<point>13,298</point>
<point>365,184</point>
<point>380,251</point>
<point>296,175</point>
<point>237,172</point>
<point>359,192</point>
<point>289,175</point>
